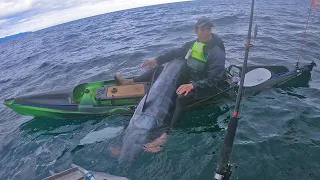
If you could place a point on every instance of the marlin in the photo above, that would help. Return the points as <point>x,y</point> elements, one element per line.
<point>152,113</point>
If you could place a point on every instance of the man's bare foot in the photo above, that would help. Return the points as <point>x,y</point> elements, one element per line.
<point>153,149</point>
<point>122,81</point>
<point>156,145</point>
<point>115,151</point>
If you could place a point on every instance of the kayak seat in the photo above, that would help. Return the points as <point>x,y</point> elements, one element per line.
<point>121,92</point>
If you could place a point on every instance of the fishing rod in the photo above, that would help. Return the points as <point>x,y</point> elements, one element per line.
<point>223,170</point>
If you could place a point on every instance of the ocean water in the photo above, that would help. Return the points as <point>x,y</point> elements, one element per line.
<point>278,135</point>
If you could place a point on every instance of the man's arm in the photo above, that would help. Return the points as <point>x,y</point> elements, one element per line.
<point>216,69</point>
<point>176,53</point>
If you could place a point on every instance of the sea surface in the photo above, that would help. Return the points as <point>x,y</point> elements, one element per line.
<point>278,135</point>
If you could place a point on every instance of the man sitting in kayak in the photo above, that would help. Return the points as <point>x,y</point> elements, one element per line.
<point>205,67</point>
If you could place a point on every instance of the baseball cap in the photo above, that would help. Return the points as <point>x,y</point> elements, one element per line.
<point>204,21</point>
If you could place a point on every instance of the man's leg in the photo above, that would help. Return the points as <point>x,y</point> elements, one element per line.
<point>147,76</point>
<point>144,77</point>
<point>180,108</point>
<point>178,115</point>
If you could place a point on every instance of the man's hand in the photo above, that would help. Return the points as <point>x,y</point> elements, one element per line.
<point>185,88</point>
<point>149,63</point>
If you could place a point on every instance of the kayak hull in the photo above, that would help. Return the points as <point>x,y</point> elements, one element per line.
<point>66,112</point>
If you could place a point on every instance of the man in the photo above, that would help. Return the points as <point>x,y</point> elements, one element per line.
<point>205,61</point>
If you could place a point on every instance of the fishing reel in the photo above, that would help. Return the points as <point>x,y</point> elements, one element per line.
<point>228,173</point>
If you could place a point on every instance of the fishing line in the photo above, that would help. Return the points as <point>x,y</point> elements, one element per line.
<point>255,31</point>
<point>305,31</point>
<point>151,83</point>
<point>205,99</point>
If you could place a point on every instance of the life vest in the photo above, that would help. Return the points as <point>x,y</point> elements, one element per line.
<point>196,60</point>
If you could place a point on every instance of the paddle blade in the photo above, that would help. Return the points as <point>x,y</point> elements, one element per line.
<point>256,77</point>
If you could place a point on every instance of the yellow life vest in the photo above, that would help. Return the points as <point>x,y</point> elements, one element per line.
<point>196,60</point>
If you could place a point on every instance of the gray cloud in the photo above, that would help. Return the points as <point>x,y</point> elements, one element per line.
<point>31,15</point>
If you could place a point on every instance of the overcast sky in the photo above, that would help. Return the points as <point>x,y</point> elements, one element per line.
<point>30,15</point>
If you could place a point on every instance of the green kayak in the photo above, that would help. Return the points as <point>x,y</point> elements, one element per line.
<point>104,98</point>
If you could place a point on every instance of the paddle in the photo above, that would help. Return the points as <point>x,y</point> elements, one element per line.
<point>256,77</point>
<point>253,78</point>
